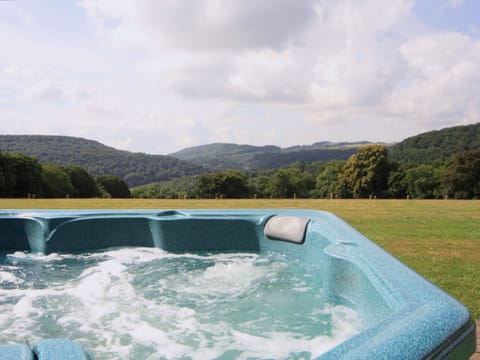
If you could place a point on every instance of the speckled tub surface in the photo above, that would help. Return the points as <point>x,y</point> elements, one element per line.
<point>402,315</point>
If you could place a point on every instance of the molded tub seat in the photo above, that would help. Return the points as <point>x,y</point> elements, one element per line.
<point>48,349</point>
<point>403,315</point>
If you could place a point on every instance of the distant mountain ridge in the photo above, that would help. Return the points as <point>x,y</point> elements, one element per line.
<point>221,156</point>
<point>98,159</point>
<point>221,149</point>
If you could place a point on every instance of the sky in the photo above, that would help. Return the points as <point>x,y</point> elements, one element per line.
<point>158,76</point>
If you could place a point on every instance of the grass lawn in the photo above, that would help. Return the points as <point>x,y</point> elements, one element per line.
<point>439,239</point>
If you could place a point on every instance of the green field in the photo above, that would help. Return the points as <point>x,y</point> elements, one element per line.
<point>439,239</point>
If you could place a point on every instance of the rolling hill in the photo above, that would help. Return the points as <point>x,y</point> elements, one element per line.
<point>221,156</point>
<point>437,145</point>
<point>98,159</point>
<point>139,168</point>
<point>221,149</point>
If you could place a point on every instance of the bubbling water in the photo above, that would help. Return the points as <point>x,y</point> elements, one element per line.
<point>144,303</point>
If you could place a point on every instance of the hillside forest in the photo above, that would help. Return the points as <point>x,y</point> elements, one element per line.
<point>369,173</point>
<point>433,165</point>
<point>437,164</point>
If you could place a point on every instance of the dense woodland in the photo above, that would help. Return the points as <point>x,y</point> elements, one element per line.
<point>437,145</point>
<point>25,177</point>
<point>369,173</point>
<point>432,165</point>
<point>438,164</point>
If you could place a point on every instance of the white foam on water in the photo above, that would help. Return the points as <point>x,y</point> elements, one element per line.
<point>142,303</point>
<point>7,277</point>
<point>19,257</point>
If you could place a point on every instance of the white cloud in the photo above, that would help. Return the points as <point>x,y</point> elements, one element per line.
<point>200,25</point>
<point>214,49</point>
<point>360,63</point>
<point>435,53</point>
<point>456,3</point>
<point>279,51</point>
<point>444,78</point>
<point>43,90</point>
<point>268,75</point>
<point>26,17</point>
<point>156,76</point>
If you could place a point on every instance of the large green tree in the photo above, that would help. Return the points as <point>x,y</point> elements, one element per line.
<point>281,185</point>
<point>113,185</point>
<point>462,176</point>
<point>291,182</point>
<point>56,182</point>
<point>423,182</point>
<point>302,182</point>
<point>260,186</point>
<point>28,176</point>
<point>7,176</point>
<point>226,184</point>
<point>327,181</point>
<point>82,181</point>
<point>155,191</point>
<point>397,182</point>
<point>366,172</point>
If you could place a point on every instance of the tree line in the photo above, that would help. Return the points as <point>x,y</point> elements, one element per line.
<point>369,173</point>
<point>22,176</point>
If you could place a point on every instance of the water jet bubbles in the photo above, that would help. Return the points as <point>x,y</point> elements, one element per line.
<point>142,303</point>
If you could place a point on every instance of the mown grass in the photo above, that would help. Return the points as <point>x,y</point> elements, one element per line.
<point>439,239</point>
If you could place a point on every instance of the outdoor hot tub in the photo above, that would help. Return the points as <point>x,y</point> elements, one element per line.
<point>149,284</point>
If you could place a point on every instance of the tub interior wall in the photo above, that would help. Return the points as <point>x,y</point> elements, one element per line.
<point>346,284</point>
<point>94,234</point>
<point>13,235</point>
<point>73,235</point>
<point>344,281</point>
<point>186,235</point>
